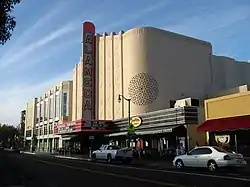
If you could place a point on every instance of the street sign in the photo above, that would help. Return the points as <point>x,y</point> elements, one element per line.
<point>131,128</point>
<point>136,121</point>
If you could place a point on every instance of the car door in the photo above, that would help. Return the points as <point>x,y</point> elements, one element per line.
<point>204,157</point>
<point>100,153</point>
<point>191,159</point>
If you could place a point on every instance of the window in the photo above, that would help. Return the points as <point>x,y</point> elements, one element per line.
<point>57,103</point>
<point>65,104</point>
<point>28,133</point>
<point>201,151</point>
<point>45,130</point>
<point>50,129</point>
<point>38,113</point>
<point>113,147</point>
<point>45,110</point>
<point>42,110</point>
<point>40,131</point>
<point>220,149</point>
<point>51,106</point>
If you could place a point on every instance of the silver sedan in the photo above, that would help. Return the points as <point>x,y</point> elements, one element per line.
<point>210,157</point>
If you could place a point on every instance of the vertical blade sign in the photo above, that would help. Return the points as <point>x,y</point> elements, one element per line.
<point>88,70</point>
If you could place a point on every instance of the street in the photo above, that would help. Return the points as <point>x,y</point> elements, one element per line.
<point>30,170</point>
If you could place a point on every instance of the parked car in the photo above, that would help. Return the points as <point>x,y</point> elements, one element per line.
<point>211,157</point>
<point>113,153</point>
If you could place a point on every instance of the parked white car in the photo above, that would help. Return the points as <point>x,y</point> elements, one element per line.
<point>113,153</point>
<point>211,157</point>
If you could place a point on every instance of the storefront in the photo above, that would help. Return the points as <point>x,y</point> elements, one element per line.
<point>79,136</point>
<point>158,133</point>
<point>228,122</point>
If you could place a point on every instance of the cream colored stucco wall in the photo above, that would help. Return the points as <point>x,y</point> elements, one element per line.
<point>77,91</point>
<point>166,56</point>
<point>228,73</point>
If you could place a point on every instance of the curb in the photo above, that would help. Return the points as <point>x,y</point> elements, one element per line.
<point>56,156</point>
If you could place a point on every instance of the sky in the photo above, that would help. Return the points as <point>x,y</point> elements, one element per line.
<point>46,43</point>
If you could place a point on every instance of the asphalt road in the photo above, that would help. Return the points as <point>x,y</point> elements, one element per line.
<point>30,170</point>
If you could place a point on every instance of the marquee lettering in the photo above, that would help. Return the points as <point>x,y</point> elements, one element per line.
<point>88,38</point>
<point>87,105</point>
<point>87,82</point>
<point>88,62</point>
<point>88,71</point>
<point>87,93</point>
<point>88,59</point>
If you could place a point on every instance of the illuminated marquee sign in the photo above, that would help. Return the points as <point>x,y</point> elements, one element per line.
<point>88,71</point>
<point>95,125</point>
<point>68,127</point>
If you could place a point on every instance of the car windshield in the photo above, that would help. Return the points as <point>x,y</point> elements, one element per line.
<point>219,149</point>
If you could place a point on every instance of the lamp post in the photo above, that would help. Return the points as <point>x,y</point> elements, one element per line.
<point>120,97</point>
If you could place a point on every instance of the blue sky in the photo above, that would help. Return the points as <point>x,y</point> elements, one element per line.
<point>46,43</point>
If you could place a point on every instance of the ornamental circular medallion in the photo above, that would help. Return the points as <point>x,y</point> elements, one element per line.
<point>143,89</point>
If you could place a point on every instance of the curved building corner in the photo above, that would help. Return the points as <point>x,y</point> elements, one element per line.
<point>151,66</point>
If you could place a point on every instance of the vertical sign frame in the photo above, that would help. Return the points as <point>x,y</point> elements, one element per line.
<point>88,54</point>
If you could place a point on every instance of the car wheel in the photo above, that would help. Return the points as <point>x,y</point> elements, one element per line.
<point>179,164</point>
<point>109,158</point>
<point>93,157</point>
<point>212,166</point>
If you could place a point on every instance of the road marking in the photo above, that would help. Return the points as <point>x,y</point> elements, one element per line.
<point>114,175</point>
<point>166,171</point>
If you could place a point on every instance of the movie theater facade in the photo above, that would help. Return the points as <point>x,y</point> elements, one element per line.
<point>146,68</point>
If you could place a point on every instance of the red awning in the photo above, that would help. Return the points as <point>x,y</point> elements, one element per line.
<point>223,124</point>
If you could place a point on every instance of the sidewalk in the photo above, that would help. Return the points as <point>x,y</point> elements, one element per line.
<point>135,162</point>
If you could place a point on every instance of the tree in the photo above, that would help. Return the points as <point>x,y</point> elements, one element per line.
<point>8,135</point>
<point>7,21</point>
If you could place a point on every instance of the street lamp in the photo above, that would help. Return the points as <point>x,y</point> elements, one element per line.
<point>120,97</point>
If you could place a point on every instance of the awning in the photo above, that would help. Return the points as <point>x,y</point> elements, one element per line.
<point>224,124</point>
<point>146,131</point>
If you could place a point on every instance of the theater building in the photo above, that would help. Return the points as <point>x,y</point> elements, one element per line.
<point>146,66</point>
<point>228,119</point>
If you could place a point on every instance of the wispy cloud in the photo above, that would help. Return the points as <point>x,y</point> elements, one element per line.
<point>17,57</point>
<point>33,28</point>
<point>14,98</point>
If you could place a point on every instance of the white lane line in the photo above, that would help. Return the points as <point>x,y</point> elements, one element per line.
<point>114,175</point>
<point>175,172</point>
<point>71,158</point>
